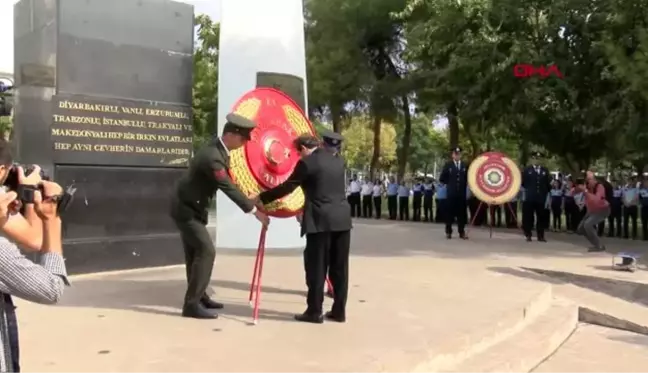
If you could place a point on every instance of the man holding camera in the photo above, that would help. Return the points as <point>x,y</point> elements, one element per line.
<point>38,230</point>
<point>208,173</point>
<point>598,209</point>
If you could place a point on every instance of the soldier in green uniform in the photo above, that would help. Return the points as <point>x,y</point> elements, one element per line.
<point>208,173</point>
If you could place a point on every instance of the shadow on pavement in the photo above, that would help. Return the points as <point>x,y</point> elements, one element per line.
<point>633,292</point>
<point>164,297</point>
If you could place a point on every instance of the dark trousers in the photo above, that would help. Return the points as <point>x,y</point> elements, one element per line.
<point>457,209</point>
<point>570,214</point>
<point>327,252</point>
<point>511,214</point>
<point>533,213</point>
<point>630,216</point>
<point>377,201</point>
<point>354,202</point>
<point>403,208</point>
<point>556,213</point>
<point>392,206</point>
<point>495,215</point>
<point>13,365</point>
<point>367,208</point>
<point>644,222</point>
<point>416,206</point>
<point>427,208</point>
<point>614,220</point>
<point>440,210</point>
<point>199,259</point>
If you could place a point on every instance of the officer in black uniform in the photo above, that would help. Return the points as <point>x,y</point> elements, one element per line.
<point>207,173</point>
<point>455,176</point>
<point>326,222</point>
<point>536,181</point>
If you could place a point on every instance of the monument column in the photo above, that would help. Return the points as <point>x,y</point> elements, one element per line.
<point>261,45</point>
<point>103,100</point>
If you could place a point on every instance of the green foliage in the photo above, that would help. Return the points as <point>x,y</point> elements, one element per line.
<point>358,143</point>
<point>205,80</point>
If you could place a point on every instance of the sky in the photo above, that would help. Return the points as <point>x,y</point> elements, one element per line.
<point>209,7</point>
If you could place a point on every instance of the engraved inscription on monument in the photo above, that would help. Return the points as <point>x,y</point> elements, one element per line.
<point>105,131</point>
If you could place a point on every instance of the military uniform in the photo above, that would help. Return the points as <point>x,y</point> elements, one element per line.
<point>630,209</point>
<point>536,182</point>
<point>326,222</point>
<point>207,173</point>
<point>616,209</point>
<point>392,199</point>
<point>455,176</point>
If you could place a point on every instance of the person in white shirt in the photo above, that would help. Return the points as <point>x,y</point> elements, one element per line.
<point>403,201</point>
<point>377,198</point>
<point>366,191</point>
<point>417,200</point>
<point>354,196</point>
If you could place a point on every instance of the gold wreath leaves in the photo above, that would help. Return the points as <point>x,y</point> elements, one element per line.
<point>514,189</point>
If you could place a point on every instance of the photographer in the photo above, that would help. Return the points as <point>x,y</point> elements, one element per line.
<point>19,276</point>
<point>598,209</point>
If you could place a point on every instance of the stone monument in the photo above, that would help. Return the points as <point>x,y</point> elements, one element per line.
<point>103,100</point>
<point>261,45</point>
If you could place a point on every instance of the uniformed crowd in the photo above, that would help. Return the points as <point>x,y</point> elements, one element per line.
<point>426,199</point>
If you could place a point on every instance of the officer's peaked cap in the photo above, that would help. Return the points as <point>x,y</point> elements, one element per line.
<point>331,138</point>
<point>239,124</point>
<point>536,154</point>
<point>456,150</point>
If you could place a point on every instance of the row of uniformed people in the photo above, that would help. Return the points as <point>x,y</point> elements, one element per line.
<point>629,204</point>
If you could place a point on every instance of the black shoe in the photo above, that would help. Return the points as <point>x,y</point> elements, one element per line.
<point>596,249</point>
<point>448,236</point>
<point>528,239</point>
<point>333,317</point>
<point>306,317</point>
<point>541,239</point>
<point>198,312</point>
<point>463,236</point>
<point>210,304</point>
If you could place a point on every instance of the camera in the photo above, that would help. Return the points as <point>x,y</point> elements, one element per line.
<point>26,192</point>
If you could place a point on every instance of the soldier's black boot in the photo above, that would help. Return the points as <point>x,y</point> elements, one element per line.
<point>197,311</point>
<point>330,315</point>
<point>311,318</point>
<point>210,304</point>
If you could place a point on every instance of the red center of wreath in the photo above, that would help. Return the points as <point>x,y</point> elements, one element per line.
<point>270,153</point>
<point>494,164</point>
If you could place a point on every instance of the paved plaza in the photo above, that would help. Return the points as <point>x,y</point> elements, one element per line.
<point>417,302</point>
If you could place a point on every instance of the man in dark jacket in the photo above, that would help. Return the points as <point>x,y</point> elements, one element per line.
<point>455,176</point>
<point>536,181</point>
<point>207,173</point>
<point>326,222</point>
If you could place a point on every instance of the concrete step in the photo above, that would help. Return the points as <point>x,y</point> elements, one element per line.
<point>531,345</point>
<point>455,351</point>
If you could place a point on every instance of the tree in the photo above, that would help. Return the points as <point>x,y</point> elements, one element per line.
<point>205,79</point>
<point>358,145</point>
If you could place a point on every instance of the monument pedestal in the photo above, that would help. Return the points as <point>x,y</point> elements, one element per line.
<point>270,54</point>
<point>103,101</point>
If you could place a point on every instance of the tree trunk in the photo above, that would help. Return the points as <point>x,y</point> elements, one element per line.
<point>403,156</point>
<point>453,125</point>
<point>375,157</point>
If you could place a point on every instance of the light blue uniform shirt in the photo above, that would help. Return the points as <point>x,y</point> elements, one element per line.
<point>643,193</point>
<point>392,189</point>
<point>556,192</point>
<point>442,191</point>
<point>617,193</point>
<point>417,188</point>
<point>403,191</point>
<point>628,195</point>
